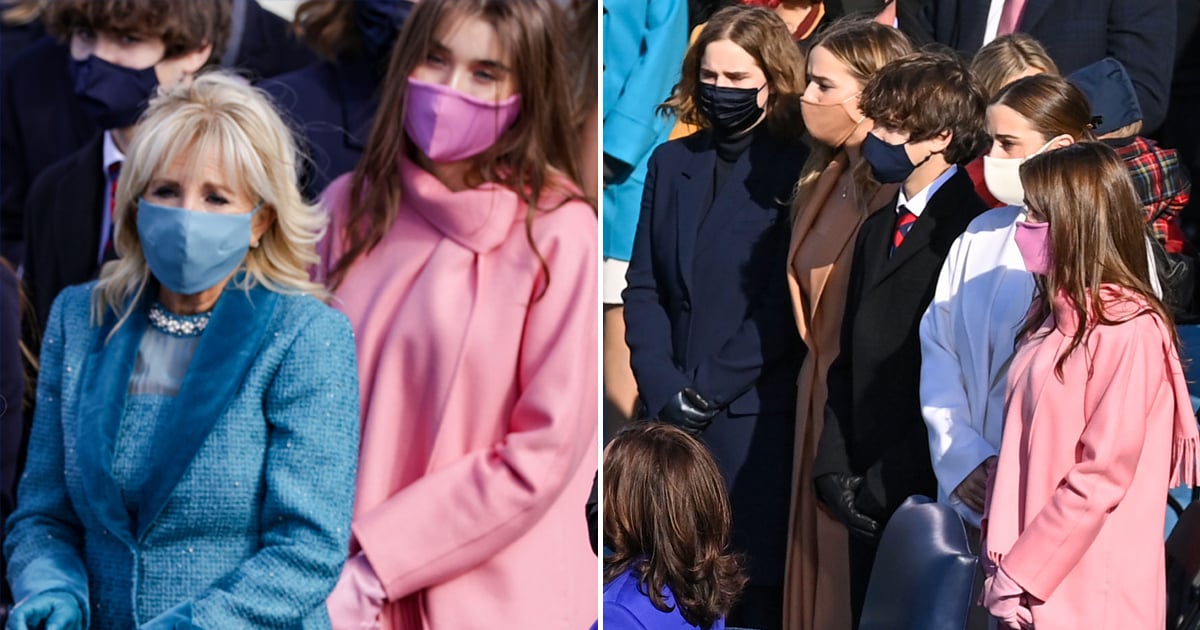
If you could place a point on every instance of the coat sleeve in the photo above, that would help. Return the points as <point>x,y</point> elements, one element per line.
<point>768,334</point>
<point>458,516</point>
<point>304,525</point>
<point>955,446</point>
<point>631,122</point>
<point>1128,374</point>
<point>647,326</point>
<point>1141,35</point>
<point>44,537</point>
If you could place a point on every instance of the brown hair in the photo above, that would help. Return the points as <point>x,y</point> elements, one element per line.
<point>1007,56</point>
<point>327,26</point>
<point>762,34</point>
<point>1084,192</point>
<point>925,94</point>
<point>1052,105</point>
<point>19,12</point>
<point>182,25</point>
<point>667,517</point>
<point>863,46</point>
<point>534,157</point>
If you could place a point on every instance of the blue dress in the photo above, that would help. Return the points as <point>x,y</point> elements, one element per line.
<point>221,499</point>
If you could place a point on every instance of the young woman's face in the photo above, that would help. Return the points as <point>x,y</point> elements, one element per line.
<point>466,55</point>
<point>1012,134</point>
<point>830,82</point>
<point>725,64</point>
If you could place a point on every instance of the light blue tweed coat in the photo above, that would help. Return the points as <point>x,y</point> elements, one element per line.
<point>242,517</point>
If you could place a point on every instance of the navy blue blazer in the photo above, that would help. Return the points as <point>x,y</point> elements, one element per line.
<point>707,303</point>
<point>333,105</point>
<point>1138,33</point>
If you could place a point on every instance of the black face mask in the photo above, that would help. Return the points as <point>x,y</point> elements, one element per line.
<point>113,96</point>
<point>729,110</point>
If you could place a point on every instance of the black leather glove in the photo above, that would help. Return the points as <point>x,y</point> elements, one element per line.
<point>689,411</point>
<point>838,492</point>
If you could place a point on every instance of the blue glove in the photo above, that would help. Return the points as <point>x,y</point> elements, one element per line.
<point>58,610</point>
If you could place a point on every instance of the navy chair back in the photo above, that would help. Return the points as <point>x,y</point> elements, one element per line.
<point>924,573</point>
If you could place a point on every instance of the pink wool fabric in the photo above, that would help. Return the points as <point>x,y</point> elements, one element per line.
<point>1076,510</point>
<point>479,407</point>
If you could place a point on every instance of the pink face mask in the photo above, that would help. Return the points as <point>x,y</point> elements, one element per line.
<point>448,126</point>
<point>1033,241</point>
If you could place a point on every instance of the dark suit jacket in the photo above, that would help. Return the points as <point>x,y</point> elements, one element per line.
<point>63,233</point>
<point>873,423</point>
<point>707,303</point>
<point>1138,33</point>
<point>333,106</point>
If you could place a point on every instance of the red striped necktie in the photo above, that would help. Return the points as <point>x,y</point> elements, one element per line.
<point>904,223</point>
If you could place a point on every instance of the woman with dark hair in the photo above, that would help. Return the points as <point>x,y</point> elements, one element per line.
<point>466,259</point>
<point>984,291</point>
<point>712,341</point>
<point>1099,423</point>
<point>666,519</point>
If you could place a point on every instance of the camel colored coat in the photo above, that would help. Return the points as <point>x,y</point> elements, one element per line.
<point>817,581</point>
<point>479,407</point>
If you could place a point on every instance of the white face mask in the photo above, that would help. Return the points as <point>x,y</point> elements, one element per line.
<point>1003,176</point>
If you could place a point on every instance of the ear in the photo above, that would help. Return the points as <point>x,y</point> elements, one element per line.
<point>191,62</point>
<point>1061,141</point>
<point>939,142</point>
<point>263,221</point>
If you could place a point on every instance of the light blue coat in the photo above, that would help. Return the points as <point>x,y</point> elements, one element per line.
<point>242,516</point>
<point>644,42</point>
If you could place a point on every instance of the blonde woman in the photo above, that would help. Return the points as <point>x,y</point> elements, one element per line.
<point>834,195</point>
<point>193,451</point>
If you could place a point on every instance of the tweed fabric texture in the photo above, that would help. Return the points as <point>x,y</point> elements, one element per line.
<point>255,532</point>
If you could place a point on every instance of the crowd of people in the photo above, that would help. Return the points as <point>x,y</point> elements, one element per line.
<point>307,339</point>
<point>931,248</point>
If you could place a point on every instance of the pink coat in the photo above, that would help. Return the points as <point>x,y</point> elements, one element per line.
<point>479,407</point>
<point>1076,510</point>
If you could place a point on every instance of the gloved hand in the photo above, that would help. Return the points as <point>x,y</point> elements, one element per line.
<point>58,610</point>
<point>358,598</point>
<point>1007,601</point>
<point>689,411</point>
<point>838,492</point>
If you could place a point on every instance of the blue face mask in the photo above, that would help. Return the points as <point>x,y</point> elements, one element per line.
<point>190,251</point>
<point>379,23</point>
<point>111,95</point>
<point>889,162</point>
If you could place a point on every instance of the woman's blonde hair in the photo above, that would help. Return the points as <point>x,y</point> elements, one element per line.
<point>863,46</point>
<point>221,116</point>
<point>1005,57</point>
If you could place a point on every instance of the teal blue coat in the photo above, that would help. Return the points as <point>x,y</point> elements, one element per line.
<point>242,519</point>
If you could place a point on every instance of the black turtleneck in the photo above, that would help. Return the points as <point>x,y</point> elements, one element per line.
<point>729,149</point>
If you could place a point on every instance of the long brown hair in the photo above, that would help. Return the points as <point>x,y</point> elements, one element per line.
<point>1052,105</point>
<point>1097,236</point>
<point>327,26</point>
<point>863,46</point>
<point>535,156</point>
<point>762,34</point>
<point>667,516</point>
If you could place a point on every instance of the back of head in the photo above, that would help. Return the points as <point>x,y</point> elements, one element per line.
<point>218,116</point>
<point>667,517</point>
<point>1051,104</point>
<point>1008,57</point>
<point>925,94</point>
<point>182,25</point>
<point>765,37</point>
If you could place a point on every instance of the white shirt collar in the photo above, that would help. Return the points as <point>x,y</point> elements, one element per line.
<point>112,154</point>
<point>917,204</point>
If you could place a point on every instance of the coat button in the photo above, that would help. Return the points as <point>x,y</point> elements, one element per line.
<point>687,306</point>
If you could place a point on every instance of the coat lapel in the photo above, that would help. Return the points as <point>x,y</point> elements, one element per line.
<point>230,344</point>
<point>1032,14</point>
<point>78,214</point>
<point>690,201</point>
<point>730,201</point>
<point>103,391</point>
<point>877,239</point>
<point>972,22</point>
<point>356,82</point>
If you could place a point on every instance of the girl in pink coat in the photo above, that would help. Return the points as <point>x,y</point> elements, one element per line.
<point>1099,424</point>
<point>463,255</point>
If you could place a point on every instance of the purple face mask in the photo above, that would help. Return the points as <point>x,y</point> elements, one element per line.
<point>1033,241</point>
<point>448,126</point>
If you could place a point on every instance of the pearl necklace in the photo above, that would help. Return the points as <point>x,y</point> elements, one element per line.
<point>178,325</point>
